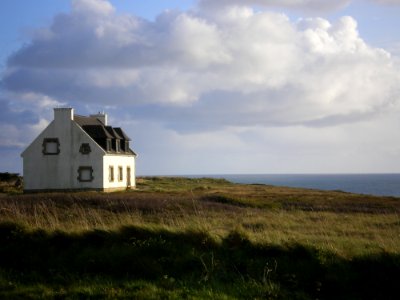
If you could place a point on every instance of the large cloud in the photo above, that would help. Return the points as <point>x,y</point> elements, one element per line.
<point>308,5</point>
<point>23,116</point>
<point>303,5</point>
<point>389,2</point>
<point>240,67</point>
<point>244,83</point>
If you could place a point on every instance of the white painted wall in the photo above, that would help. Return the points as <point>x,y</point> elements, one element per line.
<point>42,172</point>
<point>47,172</point>
<point>116,161</point>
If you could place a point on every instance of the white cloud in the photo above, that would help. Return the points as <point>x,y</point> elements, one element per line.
<point>265,68</point>
<point>23,116</point>
<point>387,2</point>
<point>16,135</point>
<point>316,6</point>
<point>89,7</point>
<point>308,5</point>
<point>364,147</point>
<point>238,84</point>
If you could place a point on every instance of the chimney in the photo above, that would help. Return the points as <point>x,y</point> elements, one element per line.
<point>63,114</point>
<point>102,117</point>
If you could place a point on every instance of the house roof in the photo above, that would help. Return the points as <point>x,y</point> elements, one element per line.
<point>112,132</point>
<point>83,120</point>
<point>97,130</point>
<point>122,133</point>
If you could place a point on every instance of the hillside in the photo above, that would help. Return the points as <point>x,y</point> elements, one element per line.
<point>199,238</point>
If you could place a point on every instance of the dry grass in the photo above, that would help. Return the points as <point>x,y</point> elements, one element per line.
<point>344,223</point>
<point>176,238</point>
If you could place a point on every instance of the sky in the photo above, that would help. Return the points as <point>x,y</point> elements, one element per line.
<point>210,87</point>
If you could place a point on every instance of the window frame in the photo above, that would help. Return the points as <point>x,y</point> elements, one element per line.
<point>117,145</point>
<point>120,173</point>
<point>50,140</point>
<point>111,173</point>
<point>85,148</point>
<point>83,168</point>
<point>128,176</point>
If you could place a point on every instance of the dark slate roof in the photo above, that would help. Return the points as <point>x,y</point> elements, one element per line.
<point>82,120</point>
<point>132,152</point>
<point>122,133</point>
<point>112,132</point>
<point>97,130</point>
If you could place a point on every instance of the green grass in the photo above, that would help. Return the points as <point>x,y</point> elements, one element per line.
<point>98,262</point>
<point>198,239</point>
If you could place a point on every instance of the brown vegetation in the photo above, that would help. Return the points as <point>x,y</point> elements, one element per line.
<point>177,238</point>
<point>346,223</point>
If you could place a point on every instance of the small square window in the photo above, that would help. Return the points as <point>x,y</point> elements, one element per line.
<point>120,174</point>
<point>85,174</point>
<point>85,148</point>
<point>51,146</point>
<point>111,173</point>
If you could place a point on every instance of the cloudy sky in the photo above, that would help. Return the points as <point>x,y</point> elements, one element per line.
<point>211,87</point>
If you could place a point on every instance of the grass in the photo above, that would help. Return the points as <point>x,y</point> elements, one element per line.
<point>199,238</point>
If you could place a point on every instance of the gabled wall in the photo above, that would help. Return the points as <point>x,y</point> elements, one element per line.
<point>60,172</point>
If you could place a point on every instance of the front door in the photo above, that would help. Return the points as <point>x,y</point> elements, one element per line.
<point>128,176</point>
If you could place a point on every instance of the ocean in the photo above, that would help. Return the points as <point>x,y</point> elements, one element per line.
<point>371,184</point>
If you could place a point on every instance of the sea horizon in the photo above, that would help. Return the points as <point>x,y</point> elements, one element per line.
<point>377,184</point>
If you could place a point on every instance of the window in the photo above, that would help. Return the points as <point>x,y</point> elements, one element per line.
<point>111,173</point>
<point>126,146</point>
<point>128,176</point>
<point>51,146</point>
<point>109,145</point>
<point>85,148</point>
<point>117,145</point>
<point>120,174</point>
<point>85,174</point>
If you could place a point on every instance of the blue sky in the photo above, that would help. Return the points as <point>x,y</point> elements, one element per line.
<point>203,87</point>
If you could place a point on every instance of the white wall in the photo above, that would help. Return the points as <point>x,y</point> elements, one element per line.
<point>43,172</point>
<point>116,161</point>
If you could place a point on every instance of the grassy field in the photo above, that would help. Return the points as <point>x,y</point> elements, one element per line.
<point>199,238</point>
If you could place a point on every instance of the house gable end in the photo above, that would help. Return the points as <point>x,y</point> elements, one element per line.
<point>69,155</point>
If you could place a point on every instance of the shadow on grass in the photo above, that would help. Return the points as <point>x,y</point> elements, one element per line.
<point>190,261</point>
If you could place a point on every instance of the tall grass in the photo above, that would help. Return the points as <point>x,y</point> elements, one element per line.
<point>183,263</point>
<point>347,224</point>
<point>199,238</point>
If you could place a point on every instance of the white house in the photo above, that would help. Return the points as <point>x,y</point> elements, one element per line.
<point>79,153</point>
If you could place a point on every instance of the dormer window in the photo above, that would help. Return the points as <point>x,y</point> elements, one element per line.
<point>51,146</point>
<point>109,145</point>
<point>85,148</point>
<point>126,146</point>
<point>117,146</point>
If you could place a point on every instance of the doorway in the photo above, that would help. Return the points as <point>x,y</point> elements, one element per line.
<point>128,177</point>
